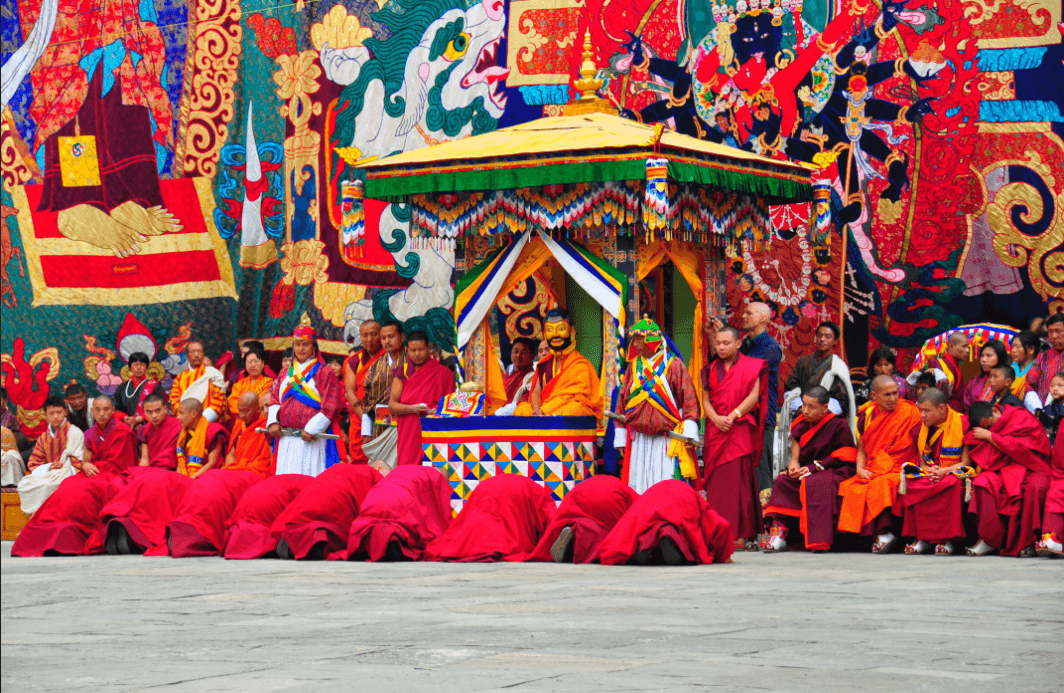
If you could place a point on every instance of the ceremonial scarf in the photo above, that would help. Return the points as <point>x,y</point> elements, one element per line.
<point>141,390</point>
<point>250,449</point>
<point>1019,384</point>
<point>51,446</point>
<point>726,390</point>
<point>651,385</point>
<point>949,435</point>
<point>260,386</point>
<point>426,384</point>
<point>192,447</point>
<point>362,370</point>
<point>204,384</point>
<point>573,381</point>
<point>299,383</point>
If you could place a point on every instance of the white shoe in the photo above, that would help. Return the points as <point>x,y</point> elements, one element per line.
<point>917,548</point>
<point>981,549</point>
<point>944,549</point>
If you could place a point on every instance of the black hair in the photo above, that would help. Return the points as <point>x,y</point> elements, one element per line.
<point>1054,319</point>
<point>252,344</point>
<point>334,358</point>
<point>532,344</point>
<point>998,347</point>
<point>75,389</point>
<point>287,353</point>
<point>1007,371</point>
<point>818,393</point>
<point>54,401</point>
<point>257,349</point>
<point>1030,341</point>
<point>139,357</point>
<point>396,324</point>
<point>155,397</point>
<point>835,329</point>
<point>732,331</point>
<point>979,411</point>
<point>934,396</point>
<point>927,378</point>
<point>417,336</point>
<point>881,354</point>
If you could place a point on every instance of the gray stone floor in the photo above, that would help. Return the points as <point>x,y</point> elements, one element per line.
<point>791,622</point>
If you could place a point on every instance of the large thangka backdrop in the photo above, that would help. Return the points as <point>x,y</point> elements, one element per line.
<point>175,168</point>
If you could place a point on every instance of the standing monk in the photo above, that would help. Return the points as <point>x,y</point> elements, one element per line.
<point>885,442</point>
<point>378,388</point>
<point>356,368</point>
<point>57,450</point>
<point>307,396</point>
<point>822,457</point>
<point>249,451</point>
<point>658,397</point>
<point>201,445</point>
<point>158,440</point>
<point>1053,521</point>
<point>201,382</point>
<point>1013,451</point>
<point>735,413</point>
<point>416,389</point>
<point>566,383</point>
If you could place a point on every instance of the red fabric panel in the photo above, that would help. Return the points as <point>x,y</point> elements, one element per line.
<point>68,523</point>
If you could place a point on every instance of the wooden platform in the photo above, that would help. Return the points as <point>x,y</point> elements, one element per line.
<point>13,517</point>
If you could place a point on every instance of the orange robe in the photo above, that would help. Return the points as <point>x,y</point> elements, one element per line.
<point>260,386</point>
<point>252,450</point>
<point>888,443</point>
<point>359,364</point>
<point>569,387</point>
<point>215,398</point>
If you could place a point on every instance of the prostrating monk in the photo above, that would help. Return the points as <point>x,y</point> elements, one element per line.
<point>130,395</point>
<point>378,389</point>
<point>201,444</point>
<point>588,513</point>
<point>137,516</point>
<point>400,515</point>
<point>566,383</point>
<point>307,397</point>
<point>946,369</point>
<point>201,382</point>
<point>822,457</point>
<point>318,521</point>
<point>198,529</point>
<point>1053,520</point>
<point>356,368</point>
<point>249,450</point>
<point>417,387</point>
<point>521,355</point>
<point>254,381</point>
<point>657,397</point>
<point>505,515</point>
<point>735,415</point>
<point>1008,495</point>
<point>670,524</point>
<point>158,440</point>
<point>885,442</point>
<point>57,450</point>
<point>247,531</point>
<point>932,493</point>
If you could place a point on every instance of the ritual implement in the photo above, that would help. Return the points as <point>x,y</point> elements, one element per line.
<point>297,432</point>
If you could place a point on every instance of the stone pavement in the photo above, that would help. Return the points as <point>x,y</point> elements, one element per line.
<point>791,622</point>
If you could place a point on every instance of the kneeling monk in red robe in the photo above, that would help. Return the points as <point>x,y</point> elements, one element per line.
<point>417,386</point>
<point>1053,520</point>
<point>670,524</point>
<point>822,457</point>
<point>1008,495</point>
<point>68,522</point>
<point>247,531</point>
<point>408,509</point>
<point>588,513</point>
<point>199,527</point>
<point>318,521</point>
<point>506,514</point>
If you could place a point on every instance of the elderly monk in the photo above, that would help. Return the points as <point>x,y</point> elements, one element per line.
<point>249,451</point>
<point>307,397</point>
<point>885,442</point>
<point>378,388</point>
<point>416,389</point>
<point>254,381</point>
<point>735,417</point>
<point>1053,520</point>
<point>201,382</point>
<point>1008,495</point>
<point>201,444</point>
<point>932,492</point>
<point>247,531</point>
<point>355,370</point>
<point>822,457</point>
<point>53,458</point>
<point>566,383</point>
<point>158,440</point>
<point>521,358</point>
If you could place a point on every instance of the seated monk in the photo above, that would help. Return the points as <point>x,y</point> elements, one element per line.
<point>505,515</point>
<point>58,448</point>
<point>1008,495</point>
<point>318,521</point>
<point>158,440</point>
<point>521,354</point>
<point>566,382</point>
<point>247,531</point>
<point>1053,520</point>
<point>670,524</point>
<point>582,521</point>
<point>249,450</point>
<point>932,494</point>
<point>198,529</point>
<point>400,515</point>
<point>201,445</point>
<point>885,442</point>
<point>822,457</point>
<point>417,386</point>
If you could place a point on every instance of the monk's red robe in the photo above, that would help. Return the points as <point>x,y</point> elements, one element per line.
<point>114,447</point>
<point>731,458</point>
<point>505,515</point>
<point>1013,483</point>
<point>934,512</point>
<point>814,499</point>
<point>146,505</point>
<point>251,449</point>
<point>247,531</point>
<point>323,512</point>
<point>672,509</point>
<point>411,506</point>
<point>199,527</point>
<point>513,382</point>
<point>1053,520</point>
<point>424,384</point>
<point>592,509</point>
<point>359,364</point>
<point>162,443</point>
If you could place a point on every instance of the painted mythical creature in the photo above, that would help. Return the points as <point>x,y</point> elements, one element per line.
<point>8,252</point>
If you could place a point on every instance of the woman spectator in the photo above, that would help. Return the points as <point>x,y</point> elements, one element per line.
<point>253,381</point>
<point>129,397</point>
<point>1025,347</point>
<point>881,362</point>
<point>993,353</point>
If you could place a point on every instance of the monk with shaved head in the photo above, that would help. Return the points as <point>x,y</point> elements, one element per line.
<point>249,450</point>
<point>201,444</point>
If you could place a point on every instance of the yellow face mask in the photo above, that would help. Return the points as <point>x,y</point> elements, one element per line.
<point>559,335</point>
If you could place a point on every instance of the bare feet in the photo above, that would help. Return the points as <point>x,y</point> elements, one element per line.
<point>122,231</point>
<point>150,221</point>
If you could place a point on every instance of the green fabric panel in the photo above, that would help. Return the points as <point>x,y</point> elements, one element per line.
<point>775,189</point>
<point>585,314</point>
<point>683,314</point>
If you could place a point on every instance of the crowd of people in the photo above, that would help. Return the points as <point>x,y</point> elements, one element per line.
<point>324,458</point>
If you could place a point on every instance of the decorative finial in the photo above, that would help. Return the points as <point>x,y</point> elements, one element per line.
<point>305,320</point>
<point>588,85</point>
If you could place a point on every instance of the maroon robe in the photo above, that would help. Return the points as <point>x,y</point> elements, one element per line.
<point>247,531</point>
<point>162,443</point>
<point>113,448</point>
<point>1053,521</point>
<point>731,458</point>
<point>513,381</point>
<point>946,364</point>
<point>411,507</point>
<point>934,512</point>
<point>199,527</point>
<point>1013,483</point>
<point>323,512</point>
<point>672,509</point>
<point>591,509</point>
<point>146,505</point>
<point>814,500</point>
<point>424,384</point>
<point>505,515</point>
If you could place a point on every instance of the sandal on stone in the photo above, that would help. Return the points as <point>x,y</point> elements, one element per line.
<point>884,546</point>
<point>1049,546</point>
<point>917,547</point>
<point>944,549</point>
<point>981,549</point>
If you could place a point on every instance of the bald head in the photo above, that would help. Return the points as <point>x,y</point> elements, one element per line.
<point>756,317</point>
<point>882,381</point>
<point>957,346</point>
<point>189,412</point>
<point>248,408</point>
<point>885,392</point>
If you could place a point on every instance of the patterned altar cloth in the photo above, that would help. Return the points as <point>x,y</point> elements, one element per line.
<point>555,451</point>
